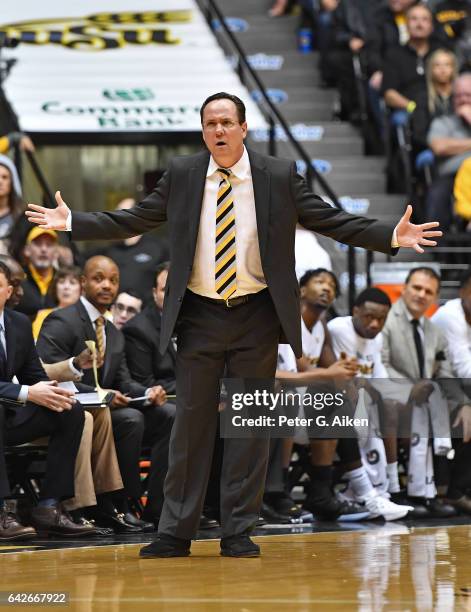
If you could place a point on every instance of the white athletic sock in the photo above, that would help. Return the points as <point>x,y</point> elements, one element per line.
<point>393,477</point>
<point>360,483</point>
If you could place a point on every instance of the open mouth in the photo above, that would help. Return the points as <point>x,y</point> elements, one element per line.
<point>220,143</point>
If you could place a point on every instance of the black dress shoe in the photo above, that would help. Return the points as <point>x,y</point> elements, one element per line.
<point>131,519</point>
<point>114,520</point>
<point>239,546</point>
<point>438,509</point>
<point>166,546</point>
<point>208,523</point>
<point>100,532</point>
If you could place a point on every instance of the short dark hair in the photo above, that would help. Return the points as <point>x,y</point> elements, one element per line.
<point>222,95</point>
<point>165,265</point>
<point>421,5</point>
<point>372,294</point>
<point>130,292</point>
<point>5,270</point>
<point>425,270</point>
<point>306,277</point>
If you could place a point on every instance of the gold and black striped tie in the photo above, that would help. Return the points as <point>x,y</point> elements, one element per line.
<point>225,262</point>
<point>100,336</point>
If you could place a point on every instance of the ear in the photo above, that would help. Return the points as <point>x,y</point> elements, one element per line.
<point>244,129</point>
<point>9,291</point>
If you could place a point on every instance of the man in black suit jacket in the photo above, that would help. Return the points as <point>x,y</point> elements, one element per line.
<point>217,330</point>
<point>30,409</point>
<point>63,335</point>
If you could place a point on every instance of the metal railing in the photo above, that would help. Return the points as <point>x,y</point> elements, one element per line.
<point>273,116</point>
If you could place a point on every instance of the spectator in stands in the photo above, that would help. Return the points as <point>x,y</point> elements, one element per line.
<point>11,205</point>
<point>415,350</point>
<point>404,85</point>
<point>454,319</point>
<point>319,288</point>
<point>319,16</point>
<point>127,306</point>
<point>40,253</point>
<point>63,335</point>
<point>370,480</point>
<point>43,409</point>
<point>137,258</point>
<point>449,138</point>
<point>441,72</point>
<point>65,290</point>
<point>353,26</point>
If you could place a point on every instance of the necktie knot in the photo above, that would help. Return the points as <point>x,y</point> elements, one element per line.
<point>100,322</point>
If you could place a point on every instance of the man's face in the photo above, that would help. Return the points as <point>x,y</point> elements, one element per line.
<point>159,290</point>
<point>125,308</point>
<point>100,283</point>
<point>419,23</point>
<point>320,291</point>
<point>5,290</point>
<point>400,6</point>
<point>222,132</point>
<point>369,319</point>
<point>17,277</point>
<point>420,293</point>
<point>5,182</point>
<point>42,252</point>
<point>462,93</point>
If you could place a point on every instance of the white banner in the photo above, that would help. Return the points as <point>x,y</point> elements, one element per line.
<point>145,67</point>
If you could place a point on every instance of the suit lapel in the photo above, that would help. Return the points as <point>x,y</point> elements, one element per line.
<point>261,187</point>
<point>196,185</point>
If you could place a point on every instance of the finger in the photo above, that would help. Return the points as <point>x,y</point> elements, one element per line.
<point>418,249</point>
<point>37,208</point>
<point>457,421</point>
<point>59,199</point>
<point>426,226</point>
<point>425,242</point>
<point>407,215</point>
<point>432,234</point>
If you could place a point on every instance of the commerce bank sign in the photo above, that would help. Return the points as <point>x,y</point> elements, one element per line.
<point>142,70</point>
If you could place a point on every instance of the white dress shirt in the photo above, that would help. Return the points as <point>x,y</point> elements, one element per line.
<point>250,278</point>
<point>451,319</point>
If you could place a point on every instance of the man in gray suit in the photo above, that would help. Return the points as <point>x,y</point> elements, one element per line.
<point>231,297</point>
<point>415,349</point>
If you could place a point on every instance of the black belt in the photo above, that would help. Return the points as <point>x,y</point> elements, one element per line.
<point>231,302</point>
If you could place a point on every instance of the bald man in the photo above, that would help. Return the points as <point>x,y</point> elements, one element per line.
<point>63,334</point>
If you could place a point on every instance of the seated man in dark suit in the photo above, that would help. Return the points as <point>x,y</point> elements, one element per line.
<point>32,408</point>
<point>63,335</point>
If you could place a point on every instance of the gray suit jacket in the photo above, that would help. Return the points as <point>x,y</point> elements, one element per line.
<point>399,354</point>
<point>281,200</point>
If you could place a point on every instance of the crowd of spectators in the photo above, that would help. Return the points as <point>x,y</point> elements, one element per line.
<point>401,69</point>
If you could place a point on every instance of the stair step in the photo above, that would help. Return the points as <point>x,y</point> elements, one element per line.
<point>323,149</point>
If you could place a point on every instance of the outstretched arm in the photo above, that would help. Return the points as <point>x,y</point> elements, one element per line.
<point>112,225</point>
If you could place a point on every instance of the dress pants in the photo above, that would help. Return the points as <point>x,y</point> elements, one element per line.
<point>158,427</point>
<point>64,430</point>
<point>128,432</point>
<point>96,467</point>
<point>215,341</point>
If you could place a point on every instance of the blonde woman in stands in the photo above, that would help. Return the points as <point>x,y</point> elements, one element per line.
<point>441,71</point>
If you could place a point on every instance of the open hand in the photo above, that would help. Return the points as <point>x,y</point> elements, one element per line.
<point>46,393</point>
<point>49,218</point>
<point>413,236</point>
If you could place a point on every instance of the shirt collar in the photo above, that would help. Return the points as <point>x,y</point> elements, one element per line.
<point>410,318</point>
<point>92,312</point>
<point>241,169</point>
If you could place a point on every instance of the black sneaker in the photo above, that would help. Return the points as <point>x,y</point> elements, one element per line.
<point>284,505</point>
<point>334,509</point>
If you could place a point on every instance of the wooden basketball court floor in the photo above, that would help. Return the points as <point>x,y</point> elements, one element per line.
<point>374,567</point>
